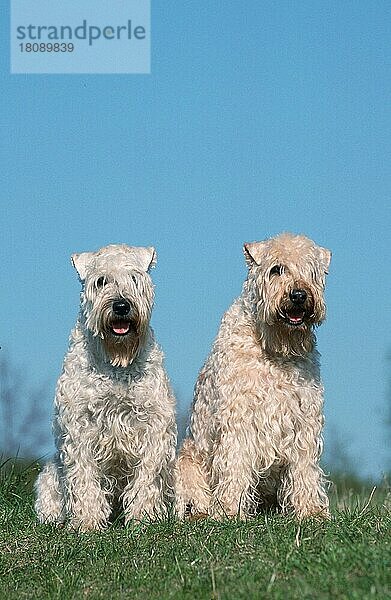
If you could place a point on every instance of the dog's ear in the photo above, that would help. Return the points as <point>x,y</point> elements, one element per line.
<point>81,262</point>
<point>152,258</point>
<point>325,258</point>
<point>145,258</point>
<point>253,252</point>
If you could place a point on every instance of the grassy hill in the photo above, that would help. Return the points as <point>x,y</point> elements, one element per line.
<point>269,557</point>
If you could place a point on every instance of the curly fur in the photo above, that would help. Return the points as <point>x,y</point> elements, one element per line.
<point>114,422</point>
<point>255,432</point>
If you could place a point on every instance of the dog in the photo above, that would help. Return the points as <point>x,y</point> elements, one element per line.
<point>114,422</point>
<point>254,440</point>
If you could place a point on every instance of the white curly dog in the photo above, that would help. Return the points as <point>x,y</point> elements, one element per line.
<point>255,430</point>
<point>114,422</point>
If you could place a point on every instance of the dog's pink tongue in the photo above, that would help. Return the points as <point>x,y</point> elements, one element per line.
<point>295,318</point>
<point>121,327</point>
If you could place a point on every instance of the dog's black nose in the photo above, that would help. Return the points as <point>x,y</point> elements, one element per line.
<point>121,307</point>
<point>298,296</point>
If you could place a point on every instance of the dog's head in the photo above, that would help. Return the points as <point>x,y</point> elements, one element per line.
<point>117,298</point>
<point>286,282</point>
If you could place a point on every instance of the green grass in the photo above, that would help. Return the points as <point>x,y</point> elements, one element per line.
<point>270,557</point>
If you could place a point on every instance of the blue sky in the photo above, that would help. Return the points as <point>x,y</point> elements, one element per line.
<point>257,118</point>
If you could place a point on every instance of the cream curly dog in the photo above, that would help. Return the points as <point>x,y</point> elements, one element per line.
<point>114,421</point>
<point>255,430</point>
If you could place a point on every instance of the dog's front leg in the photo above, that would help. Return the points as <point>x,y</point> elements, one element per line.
<point>303,491</point>
<point>87,502</point>
<point>150,490</point>
<point>49,504</point>
<point>303,486</point>
<point>232,475</point>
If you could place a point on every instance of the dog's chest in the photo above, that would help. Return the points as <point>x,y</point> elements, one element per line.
<point>119,418</point>
<point>286,392</point>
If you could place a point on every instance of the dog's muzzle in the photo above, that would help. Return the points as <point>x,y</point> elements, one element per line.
<point>299,307</point>
<point>121,323</point>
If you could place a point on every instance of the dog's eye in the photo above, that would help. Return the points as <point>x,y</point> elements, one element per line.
<point>276,270</point>
<point>134,279</point>
<point>101,282</point>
